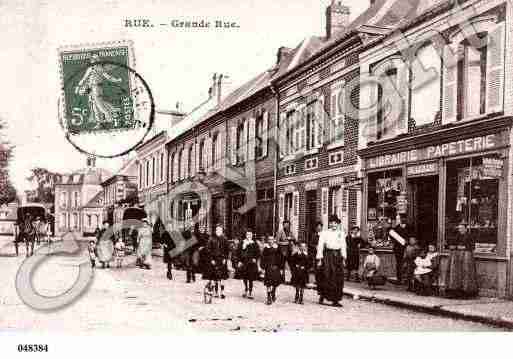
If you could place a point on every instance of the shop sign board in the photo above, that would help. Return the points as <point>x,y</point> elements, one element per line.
<point>423,169</point>
<point>455,148</point>
<point>493,167</point>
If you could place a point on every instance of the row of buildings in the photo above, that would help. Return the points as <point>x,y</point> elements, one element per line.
<point>406,109</point>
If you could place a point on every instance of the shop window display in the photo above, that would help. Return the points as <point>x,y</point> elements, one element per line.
<point>472,200</point>
<point>384,205</point>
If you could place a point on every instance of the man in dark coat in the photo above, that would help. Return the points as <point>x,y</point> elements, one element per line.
<point>167,246</point>
<point>404,231</point>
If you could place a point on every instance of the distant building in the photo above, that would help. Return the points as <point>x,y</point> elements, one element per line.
<point>7,218</point>
<point>79,200</point>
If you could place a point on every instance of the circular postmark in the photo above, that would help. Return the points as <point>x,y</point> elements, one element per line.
<point>107,108</point>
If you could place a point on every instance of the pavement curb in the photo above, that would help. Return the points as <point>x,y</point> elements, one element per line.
<point>432,309</point>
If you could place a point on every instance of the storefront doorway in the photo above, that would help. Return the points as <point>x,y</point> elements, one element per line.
<point>424,209</point>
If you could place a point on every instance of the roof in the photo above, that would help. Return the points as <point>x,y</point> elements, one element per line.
<point>96,201</point>
<point>383,14</point>
<point>92,176</point>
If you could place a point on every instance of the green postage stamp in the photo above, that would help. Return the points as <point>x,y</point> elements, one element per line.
<point>98,88</point>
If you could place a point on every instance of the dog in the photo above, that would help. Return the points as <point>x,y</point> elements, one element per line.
<point>208,293</point>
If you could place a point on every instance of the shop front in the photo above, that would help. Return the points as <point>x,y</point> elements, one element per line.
<point>438,183</point>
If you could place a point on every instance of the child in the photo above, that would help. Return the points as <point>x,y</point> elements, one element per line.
<point>271,262</point>
<point>300,263</point>
<point>119,250</point>
<point>92,253</point>
<point>435,265</point>
<point>248,255</point>
<point>410,254</point>
<point>371,267</point>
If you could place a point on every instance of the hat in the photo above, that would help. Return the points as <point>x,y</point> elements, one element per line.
<point>334,218</point>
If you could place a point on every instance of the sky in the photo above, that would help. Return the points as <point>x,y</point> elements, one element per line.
<point>177,64</point>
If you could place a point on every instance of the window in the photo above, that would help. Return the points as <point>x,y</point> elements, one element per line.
<point>336,158</point>
<point>189,162</point>
<point>180,163</point>
<point>75,220</point>
<point>384,190</point>
<point>201,156</point>
<point>312,124</point>
<point>75,199</point>
<point>311,164</point>
<point>337,116</point>
<point>290,169</point>
<point>471,80</point>
<point>153,168</point>
<point>216,155</point>
<point>64,199</point>
<point>140,175</point>
<point>259,136</point>
<point>425,86</point>
<point>172,168</point>
<point>241,142</point>
<point>472,197</point>
<point>147,173</point>
<point>386,96</point>
<point>161,167</point>
<point>89,220</point>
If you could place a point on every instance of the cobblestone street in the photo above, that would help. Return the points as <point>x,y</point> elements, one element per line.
<point>131,300</point>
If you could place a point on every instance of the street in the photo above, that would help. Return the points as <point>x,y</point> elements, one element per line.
<point>131,300</point>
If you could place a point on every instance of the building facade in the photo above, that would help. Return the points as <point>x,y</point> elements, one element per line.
<point>438,151</point>
<point>221,164</point>
<point>79,200</point>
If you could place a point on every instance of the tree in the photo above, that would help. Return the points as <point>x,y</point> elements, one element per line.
<point>44,180</point>
<point>7,191</point>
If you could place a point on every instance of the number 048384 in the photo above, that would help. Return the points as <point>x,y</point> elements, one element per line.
<point>34,348</point>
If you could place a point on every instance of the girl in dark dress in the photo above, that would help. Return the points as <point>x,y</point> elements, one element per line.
<point>300,263</point>
<point>271,262</point>
<point>216,254</point>
<point>353,243</point>
<point>248,254</point>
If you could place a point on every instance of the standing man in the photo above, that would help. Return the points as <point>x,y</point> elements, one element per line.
<point>145,246</point>
<point>331,255</point>
<point>285,241</point>
<point>216,258</point>
<point>400,236</point>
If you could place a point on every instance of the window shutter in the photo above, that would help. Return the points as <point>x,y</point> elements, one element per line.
<point>175,167</point>
<point>450,86</point>
<point>283,135</point>
<point>244,145</point>
<point>251,139</point>
<point>281,209</point>
<point>333,116</point>
<point>319,117</point>
<point>208,150</point>
<point>302,122</point>
<point>193,160</point>
<point>370,126</point>
<point>495,70</point>
<point>295,213</point>
<point>340,114</point>
<point>403,100</point>
<point>197,157</point>
<point>324,207</point>
<point>265,133</point>
<point>221,145</point>
<point>185,160</point>
<point>233,144</point>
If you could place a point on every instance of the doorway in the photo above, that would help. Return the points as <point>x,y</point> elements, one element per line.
<point>424,209</point>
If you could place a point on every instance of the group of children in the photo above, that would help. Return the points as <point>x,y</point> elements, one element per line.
<point>119,249</point>
<point>420,268</point>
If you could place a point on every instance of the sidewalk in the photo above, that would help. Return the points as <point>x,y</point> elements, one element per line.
<point>493,311</point>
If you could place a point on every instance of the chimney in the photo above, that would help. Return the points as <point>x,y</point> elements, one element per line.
<point>221,87</point>
<point>337,18</point>
<point>212,91</point>
<point>283,53</point>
